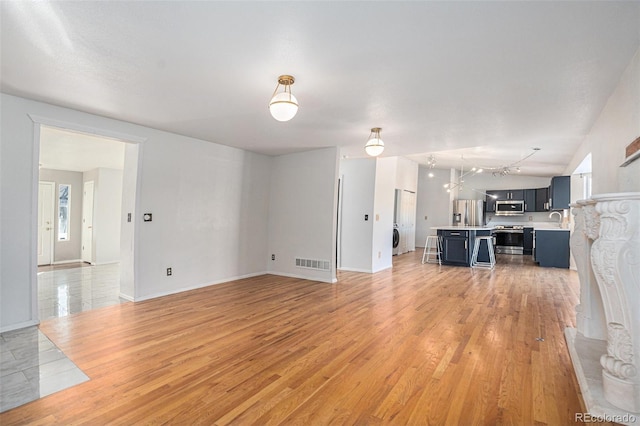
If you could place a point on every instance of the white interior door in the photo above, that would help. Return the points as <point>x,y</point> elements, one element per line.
<point>87,222</point>
<point>46,203</point>
<point>405,217</point>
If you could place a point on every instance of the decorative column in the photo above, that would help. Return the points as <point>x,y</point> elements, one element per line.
<point>615,257</point>
<point>590,317</point>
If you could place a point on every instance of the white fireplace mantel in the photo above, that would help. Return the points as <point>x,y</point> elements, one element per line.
<point>605,346</point>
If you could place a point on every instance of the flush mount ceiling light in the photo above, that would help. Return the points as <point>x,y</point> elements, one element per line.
<point>283,105</point>
<point>374,146</point>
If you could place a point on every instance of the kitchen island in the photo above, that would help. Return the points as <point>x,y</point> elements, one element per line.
<point>458,241</point>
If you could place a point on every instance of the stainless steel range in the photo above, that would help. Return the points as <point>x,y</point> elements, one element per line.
<point>509,239</point>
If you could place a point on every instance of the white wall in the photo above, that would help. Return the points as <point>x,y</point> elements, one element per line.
<point>68,250</point>
<point>302,213</point>
<point>617,126</point>
<point>18,197</point>
<point>369,186</point>
<point>107,211</point>
<point>128,229</point>
<point>432,204</point>
<point>210,206</point>
<point>406,174</point>
<point>383,210</point>
<point>358,192</point>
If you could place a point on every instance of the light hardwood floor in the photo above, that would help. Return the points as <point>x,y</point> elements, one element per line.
<point>419,344</point>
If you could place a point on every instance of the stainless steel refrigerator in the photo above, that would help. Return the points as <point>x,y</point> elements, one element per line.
<point>468,212</point>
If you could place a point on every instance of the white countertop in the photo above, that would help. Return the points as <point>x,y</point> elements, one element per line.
<point>491,227</point>
<point>462,228</point>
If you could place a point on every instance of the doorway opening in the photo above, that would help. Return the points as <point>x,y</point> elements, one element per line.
<point>86,197</point>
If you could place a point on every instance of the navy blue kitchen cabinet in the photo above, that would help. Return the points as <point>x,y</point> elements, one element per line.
<point>457,246</point>
<point>542,199</point>
<point>552,248</point>
<point>527,241</point>
<point>530,200</point>
<point>490,205</point>
<point>515,194</point>
<point>560,192</point>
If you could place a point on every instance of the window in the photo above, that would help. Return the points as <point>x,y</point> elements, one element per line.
<point>586,185</point>
<point>64,205</point>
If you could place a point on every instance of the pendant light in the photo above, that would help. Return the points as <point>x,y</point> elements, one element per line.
<point>283,105</point>
<point>374,146</point>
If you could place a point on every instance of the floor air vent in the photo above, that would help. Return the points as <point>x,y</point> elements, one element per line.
<point>320,265</point>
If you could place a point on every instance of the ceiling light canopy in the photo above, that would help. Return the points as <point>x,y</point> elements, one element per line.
<point>375,145</point>
<point>283,105</point>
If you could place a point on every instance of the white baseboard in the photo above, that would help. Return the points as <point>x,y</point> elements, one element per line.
<point>104,263</point>
<point>302,277</point>
<point>125,297</point>
<point>195,287</point>
<point>383,268</point>
<point>19,326</point>
<point>365,271</point>
<point>62,262</point>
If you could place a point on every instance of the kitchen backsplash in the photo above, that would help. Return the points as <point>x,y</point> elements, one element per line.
<point>524,220</point>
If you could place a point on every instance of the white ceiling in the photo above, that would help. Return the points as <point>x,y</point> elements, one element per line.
<point>78,152</point>
<point>483,80</point>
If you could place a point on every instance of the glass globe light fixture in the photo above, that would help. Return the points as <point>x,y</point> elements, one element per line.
<point>374,145</point>
<point>283,106</point>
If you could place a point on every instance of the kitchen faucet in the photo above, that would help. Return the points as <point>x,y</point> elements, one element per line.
<point>559,217</point>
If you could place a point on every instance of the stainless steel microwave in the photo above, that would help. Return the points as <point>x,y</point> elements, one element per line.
<point>509,207</point>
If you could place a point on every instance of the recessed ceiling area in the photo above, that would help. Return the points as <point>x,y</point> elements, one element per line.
<point>78,152</point>
<point>486,81</point>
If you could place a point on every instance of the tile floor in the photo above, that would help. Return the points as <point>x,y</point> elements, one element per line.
<point>31,366</point>
<point>62,292</point>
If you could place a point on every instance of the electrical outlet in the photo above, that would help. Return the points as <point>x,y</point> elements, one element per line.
<point>379,254</point>
<point>530,218</point>
<point>366,217</point>
<point>169,272</point>
<point>273,257</point>
<point>128,217</point>
<point>425,218</point>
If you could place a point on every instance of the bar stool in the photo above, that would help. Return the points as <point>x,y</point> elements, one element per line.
<point>476,247</point>
<point>432,246</point>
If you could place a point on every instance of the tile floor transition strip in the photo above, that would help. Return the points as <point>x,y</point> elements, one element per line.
<point>32,367</point>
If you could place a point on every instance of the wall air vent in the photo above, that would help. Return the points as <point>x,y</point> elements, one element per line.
<point>320,265</point>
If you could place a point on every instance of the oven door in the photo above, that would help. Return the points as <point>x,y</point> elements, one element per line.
<point>509,242</point>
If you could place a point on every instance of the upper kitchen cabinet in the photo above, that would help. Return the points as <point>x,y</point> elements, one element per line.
<point>530,200</point>
<point>560,192</point>
<point>492,196</point>
<point>536,200</point>
<point>542,199</point>
<point>515,194</point>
